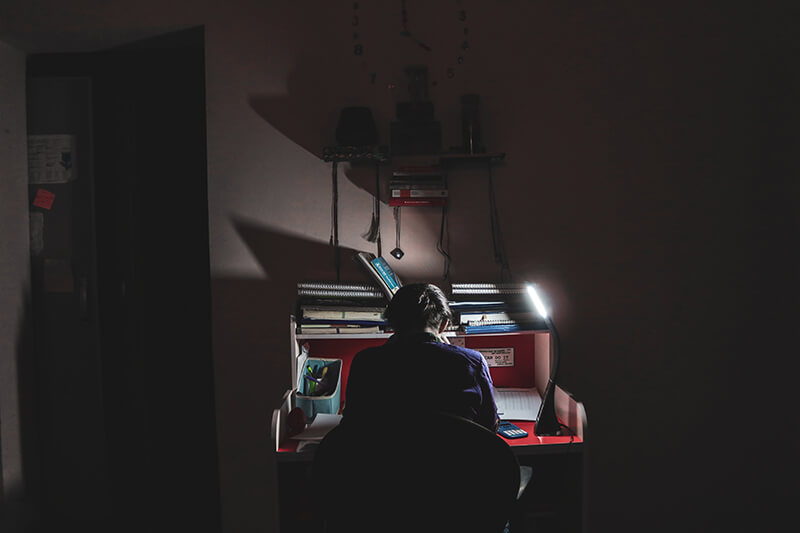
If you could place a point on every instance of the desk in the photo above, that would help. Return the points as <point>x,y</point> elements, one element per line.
<point>555,499</point>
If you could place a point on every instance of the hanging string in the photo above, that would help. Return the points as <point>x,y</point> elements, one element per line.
<point>377,206</point>
<point>373,234</point>
<point>397,227</point>
<point>334,240</point>
<point>444,232</point>
<point>497,237</point>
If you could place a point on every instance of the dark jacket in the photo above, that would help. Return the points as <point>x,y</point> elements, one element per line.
<point>415,373</point>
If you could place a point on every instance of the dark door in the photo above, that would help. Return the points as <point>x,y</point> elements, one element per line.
<point>148,297</point>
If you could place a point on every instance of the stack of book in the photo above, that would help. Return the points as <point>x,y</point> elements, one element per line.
<point>417,185</point>
<point>334,307</point>
<point>492,308</point>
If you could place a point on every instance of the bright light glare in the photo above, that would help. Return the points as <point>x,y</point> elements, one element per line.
<point>537,302</point>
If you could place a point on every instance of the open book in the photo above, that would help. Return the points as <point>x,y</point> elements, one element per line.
<point>379,270</point>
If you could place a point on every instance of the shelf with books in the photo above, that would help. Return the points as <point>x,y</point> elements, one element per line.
<point>456,157</point>
<point>492,308</point>
<point>333,308</point>
<point>421,185</point>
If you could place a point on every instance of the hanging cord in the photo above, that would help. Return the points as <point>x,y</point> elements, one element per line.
<point>497,237</point>
<point>334,240</point>
<point>444,234</point>
<point>373,234</point>
<point>397,227</point>
<point>377,208</point>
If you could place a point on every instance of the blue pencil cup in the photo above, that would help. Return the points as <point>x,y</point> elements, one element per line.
<point>327,403</point>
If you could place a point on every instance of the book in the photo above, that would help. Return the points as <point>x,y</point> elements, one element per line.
<point>471,317</point>
<point>493,328</point>
<point>479,289</point>
<point>336,330</point>
<point>517,403</point>
<point>341,322</point>
<point>337,286</point>
<point>342,312</point>
<point>379,269</point>
<point>401,202</point>
<point>477,305</point>
<point>437,184</point>
<point>414,193</point>
<point>342,295</point>
<point>333,302</point>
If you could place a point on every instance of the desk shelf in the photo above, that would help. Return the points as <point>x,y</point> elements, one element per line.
<point>531,367</point>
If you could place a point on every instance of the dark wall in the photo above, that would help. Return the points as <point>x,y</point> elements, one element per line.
<point>649,185</point>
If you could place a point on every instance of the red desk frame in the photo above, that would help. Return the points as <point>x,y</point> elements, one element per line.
<point>531,369</point>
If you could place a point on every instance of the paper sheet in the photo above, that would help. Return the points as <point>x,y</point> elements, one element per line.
<point>302,357</point>
<point>517,404</point>
<point>51,158</point>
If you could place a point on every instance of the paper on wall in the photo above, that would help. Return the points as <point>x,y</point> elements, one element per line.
<point>51,158</point>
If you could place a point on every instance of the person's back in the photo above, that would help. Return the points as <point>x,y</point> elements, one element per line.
<point>417,371</point>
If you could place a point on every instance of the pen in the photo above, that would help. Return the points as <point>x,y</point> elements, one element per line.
<point>310,387</point>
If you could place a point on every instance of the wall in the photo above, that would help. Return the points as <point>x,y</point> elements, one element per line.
<point>14,276</point>
<point>648,187</point>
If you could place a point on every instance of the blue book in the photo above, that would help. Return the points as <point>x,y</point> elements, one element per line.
<point>386,273</point>
<point>379,269</point>
<point>492,328</point>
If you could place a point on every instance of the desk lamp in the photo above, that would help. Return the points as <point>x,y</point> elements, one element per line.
<point>547,422</point>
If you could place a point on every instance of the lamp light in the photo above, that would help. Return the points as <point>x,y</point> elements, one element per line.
<point>546,421</point>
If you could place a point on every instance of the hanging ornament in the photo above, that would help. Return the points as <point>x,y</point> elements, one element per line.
<point>459,58</point>
<point>397,253</point>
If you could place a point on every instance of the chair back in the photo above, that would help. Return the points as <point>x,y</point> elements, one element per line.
<point>438,473</point>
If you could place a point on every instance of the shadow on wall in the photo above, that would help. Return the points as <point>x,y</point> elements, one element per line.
<point>287,259</point>
<point>310,122</point>
<point>254,370</point>
<point>308,112</point>
<point>257,328</point>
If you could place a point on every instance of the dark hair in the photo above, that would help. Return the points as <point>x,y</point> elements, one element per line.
<point>417,306</point>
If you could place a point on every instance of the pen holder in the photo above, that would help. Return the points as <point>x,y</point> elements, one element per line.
<point>327,403</point>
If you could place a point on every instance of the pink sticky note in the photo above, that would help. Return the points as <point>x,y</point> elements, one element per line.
<point>44,199</point>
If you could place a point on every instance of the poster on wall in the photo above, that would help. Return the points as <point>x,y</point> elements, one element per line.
<point>51,159</point>
<point>498,356</point>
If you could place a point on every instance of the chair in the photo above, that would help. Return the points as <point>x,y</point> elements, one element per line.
<point>437,473</point>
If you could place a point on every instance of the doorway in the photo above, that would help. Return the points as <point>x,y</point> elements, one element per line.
<point>121,290</point>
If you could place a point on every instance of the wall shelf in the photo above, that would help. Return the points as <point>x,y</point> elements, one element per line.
<point>456,157</point>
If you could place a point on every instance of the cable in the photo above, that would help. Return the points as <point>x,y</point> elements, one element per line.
<point>335,220</point>
<point>444,230</point>
<point>397,227</point>
<point>377,206</point>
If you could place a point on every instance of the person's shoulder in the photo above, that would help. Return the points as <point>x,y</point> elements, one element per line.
<point>473,356</point>
<point>369,353</point>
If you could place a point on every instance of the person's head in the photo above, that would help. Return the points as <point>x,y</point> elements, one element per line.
<point>417,307</point>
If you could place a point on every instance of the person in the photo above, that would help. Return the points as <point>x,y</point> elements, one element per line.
<point>417,370</point>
